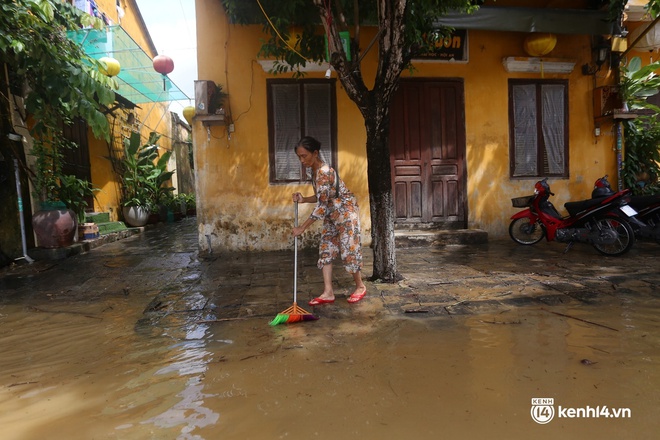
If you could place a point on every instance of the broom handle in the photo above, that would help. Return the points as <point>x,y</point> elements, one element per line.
<point>295,255</point>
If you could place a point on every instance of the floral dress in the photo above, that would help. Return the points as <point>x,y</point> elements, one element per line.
<point>338,209</point>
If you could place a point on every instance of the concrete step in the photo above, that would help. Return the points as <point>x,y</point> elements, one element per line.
<point>97,217</point>
<point>410,238</point>
<point>110,227</point>
<point>80,247</point>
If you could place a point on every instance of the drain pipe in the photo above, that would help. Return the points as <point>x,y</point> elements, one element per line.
<point>20,212</point>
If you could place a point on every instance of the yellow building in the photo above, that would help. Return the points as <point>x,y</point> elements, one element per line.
<point>143,94</point>
<point>142,102</point>
<point>468,129</point>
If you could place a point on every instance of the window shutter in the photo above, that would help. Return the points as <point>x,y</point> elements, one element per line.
<point>298,108</point>
<point>553,128</point>
<point>538,128</point>
<point>286,130</point>
<point>524,129</point>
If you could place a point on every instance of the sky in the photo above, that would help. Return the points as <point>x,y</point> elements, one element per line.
<point>171,24</point>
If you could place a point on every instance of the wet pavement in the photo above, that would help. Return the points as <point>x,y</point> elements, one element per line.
<point>153,305</point>
<point>164,264</point>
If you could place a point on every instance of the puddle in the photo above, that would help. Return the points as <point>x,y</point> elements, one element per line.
<point>447,377</point>
<point>147,341</point>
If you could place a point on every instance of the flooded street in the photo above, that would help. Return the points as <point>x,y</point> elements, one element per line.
<point>97,357</point>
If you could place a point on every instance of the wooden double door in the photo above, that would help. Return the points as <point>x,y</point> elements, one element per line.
<point>427,150</point>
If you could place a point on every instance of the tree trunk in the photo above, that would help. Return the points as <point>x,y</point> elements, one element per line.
<point>380,197</point>
<point>374,105</point>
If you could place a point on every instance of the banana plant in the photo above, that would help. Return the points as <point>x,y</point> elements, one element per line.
<point>143,172</point>
<point>637,83</point>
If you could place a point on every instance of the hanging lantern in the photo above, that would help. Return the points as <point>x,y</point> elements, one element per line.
<point>539,44</point>
<point>188,113</point>
<point>163,64</point>
<point>112,66</point>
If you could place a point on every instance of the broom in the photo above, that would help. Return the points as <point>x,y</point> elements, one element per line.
<point>294,313</point>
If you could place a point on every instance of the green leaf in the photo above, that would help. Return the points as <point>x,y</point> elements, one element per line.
<point>45,10</point>
<point>17,46</point>
<point>634,65</point>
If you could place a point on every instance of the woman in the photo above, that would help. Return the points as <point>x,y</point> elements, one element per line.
<point>338,208</point>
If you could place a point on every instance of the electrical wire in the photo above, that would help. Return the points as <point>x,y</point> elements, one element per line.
<point>278,34</point>
<point>251,91</point>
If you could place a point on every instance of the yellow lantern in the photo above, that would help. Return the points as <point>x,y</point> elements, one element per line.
<point>539,44</point>
<point>188,113</point>
<point>112,66</point>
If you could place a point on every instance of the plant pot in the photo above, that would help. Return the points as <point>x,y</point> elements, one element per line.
<point>54,225</point>
<point>135,216</point>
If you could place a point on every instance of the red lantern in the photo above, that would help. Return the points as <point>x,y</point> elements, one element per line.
<point>163,64</point>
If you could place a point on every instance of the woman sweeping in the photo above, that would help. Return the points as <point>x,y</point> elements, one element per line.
<point>338,209</point>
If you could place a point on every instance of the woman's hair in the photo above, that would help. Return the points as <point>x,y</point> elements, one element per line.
<point>309,143</point>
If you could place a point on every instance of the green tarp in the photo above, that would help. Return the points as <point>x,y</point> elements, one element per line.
<point>138,81</point>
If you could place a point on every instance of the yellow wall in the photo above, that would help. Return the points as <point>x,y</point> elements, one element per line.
<point>239,209</point>
<point>487,126</point>
<point>151,116</point>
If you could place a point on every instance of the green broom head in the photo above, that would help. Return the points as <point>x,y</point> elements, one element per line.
<point>293,314</point>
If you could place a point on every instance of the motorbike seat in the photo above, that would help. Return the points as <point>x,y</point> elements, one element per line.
<point>574,208</point>
<point>641,202</point>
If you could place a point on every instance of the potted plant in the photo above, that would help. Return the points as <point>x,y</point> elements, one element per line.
<point>178,206</point>
<point>54,224</point>
<point>191,204</point>
<point>143,175</point>
<point>638,83</point>
<point>217,100</point>
<point>161,191</point>
<point>74,193</point>
<point>134,172</point>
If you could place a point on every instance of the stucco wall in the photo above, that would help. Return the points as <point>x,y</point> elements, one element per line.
<point>487,126</point>
<point>239,209</point>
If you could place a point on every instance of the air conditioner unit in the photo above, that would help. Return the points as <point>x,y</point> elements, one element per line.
<point>204,91</point>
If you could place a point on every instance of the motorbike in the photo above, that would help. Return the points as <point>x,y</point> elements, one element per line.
<point>646,223</point>
<point>588,221</point>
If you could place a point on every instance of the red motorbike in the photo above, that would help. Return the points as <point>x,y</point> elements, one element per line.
<point>600,222</point>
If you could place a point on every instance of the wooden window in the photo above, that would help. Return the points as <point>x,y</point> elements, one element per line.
<point>538,128</point>
<point>298,108</point>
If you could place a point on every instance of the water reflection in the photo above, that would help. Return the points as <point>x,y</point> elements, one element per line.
<point>134,352</point>
<point>459,377</point>
<point>190,359</point>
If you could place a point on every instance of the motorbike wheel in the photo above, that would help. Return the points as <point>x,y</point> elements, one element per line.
<point>523,231</point>
<point>626,238</point>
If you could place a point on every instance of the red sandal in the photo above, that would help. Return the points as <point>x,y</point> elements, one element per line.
<point>355,297</point>
<point>318,301</point>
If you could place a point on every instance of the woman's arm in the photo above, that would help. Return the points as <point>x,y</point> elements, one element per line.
<point>297,197</point>
<point>297,231</point>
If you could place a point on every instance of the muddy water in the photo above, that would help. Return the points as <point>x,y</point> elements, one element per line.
<point>86,371</point>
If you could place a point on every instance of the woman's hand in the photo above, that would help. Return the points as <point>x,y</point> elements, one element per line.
<point>297,197</point>
<point>297,231</point>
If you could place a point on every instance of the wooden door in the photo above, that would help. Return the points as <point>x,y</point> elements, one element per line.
<point>76,161</point>
<point>427,146</point>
